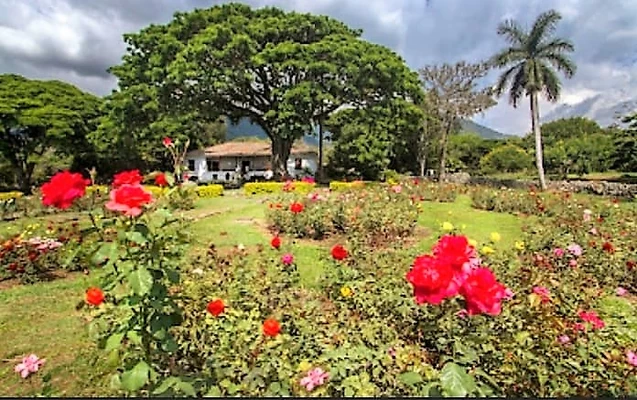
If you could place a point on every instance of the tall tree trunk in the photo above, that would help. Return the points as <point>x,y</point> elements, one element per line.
<point>24,173</point>
<point>422,150</point>
<point>280,153</point>
<point>535,124</point>
<point>443,150</point>
<point>319,171</point>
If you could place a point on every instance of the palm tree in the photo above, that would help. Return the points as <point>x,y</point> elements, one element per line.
<point>533,60</point>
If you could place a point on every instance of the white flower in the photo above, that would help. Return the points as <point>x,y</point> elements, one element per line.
<point>197,271</point>
<point>241,247</point>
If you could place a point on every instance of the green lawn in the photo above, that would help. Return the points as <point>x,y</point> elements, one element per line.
<point>42,319</point>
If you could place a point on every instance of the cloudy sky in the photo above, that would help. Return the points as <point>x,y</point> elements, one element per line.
<point>77,40</point>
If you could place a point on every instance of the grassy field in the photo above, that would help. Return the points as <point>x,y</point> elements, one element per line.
<point>42,318</point>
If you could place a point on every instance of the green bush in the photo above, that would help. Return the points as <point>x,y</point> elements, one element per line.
<point>255,188</point>
<point>336,186</point>
<point>209,191</point>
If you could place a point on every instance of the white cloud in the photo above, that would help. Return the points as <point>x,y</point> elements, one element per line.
<point>77,40</point>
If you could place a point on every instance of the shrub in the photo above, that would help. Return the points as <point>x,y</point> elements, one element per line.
<point>10,196</point>
<point>156,191</point>
<point>210,191</point>
<point>255,188</point>
<point>336,186</point>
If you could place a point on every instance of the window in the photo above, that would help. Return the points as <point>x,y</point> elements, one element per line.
<point>213,165</point>
<point>191,165</point>
<point>298,163</point>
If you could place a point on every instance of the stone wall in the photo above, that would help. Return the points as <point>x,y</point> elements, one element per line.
<point>604,188</point>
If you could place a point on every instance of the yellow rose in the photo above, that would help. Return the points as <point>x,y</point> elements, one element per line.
<point>346,291</point>
<point>447,226</point>
<point>486,250</point>
<point>495,237</point>
<point>519,245</point>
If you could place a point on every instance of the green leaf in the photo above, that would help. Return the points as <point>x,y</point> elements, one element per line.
<point>108,251</point>
<point>214,392</point>
<point>136,237</point>
<point>187,388</point>
<point>274,388</point>
<point>136,378</point>
<point>141,281</point>
<point>455,381</point>
<point>166,384</point>
<point>134,338</point>
<point>113,341</point>
<point>410,378</point>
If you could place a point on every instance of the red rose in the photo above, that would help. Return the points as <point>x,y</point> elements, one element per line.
<point>94,296</point>
<point>631,264</point>
<point>167,141</point>
<point>339,252</point>
<point>132,177</point>
<point>129,199</point>
<point>455,250</point>
<point>271,327</point>
<point>432,280</point>
<point>216,307</point>
<point>160,180</point>
<point>63,189</point>
<point>482,292</point>
<point>276,242</point>
<point>608,247</point>
<point>296,207</point>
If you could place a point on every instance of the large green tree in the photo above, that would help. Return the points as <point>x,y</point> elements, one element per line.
<point>369,140</point>
<point>532,60</point>
<point>283,71</point>
<point>38,117</point>
<point>625,145</point>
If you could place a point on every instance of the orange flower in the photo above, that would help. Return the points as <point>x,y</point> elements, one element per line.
<point>271,327</point>
<point>94,296</point>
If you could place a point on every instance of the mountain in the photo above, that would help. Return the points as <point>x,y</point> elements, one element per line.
<point>247,129</point>
<point>603,108</point>
<point>484,132</point>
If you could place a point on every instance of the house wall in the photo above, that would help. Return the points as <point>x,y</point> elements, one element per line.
<point>258,166</point>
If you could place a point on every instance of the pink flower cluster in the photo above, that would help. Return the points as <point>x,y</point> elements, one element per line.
<point>314,378</point>
<point>29,365</point>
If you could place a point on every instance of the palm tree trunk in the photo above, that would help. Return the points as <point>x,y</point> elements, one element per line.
<point>535,124</point>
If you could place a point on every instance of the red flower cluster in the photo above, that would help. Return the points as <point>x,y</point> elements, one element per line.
<point>592,318</point>
<point>63,189</point>
<point>132,177</point>
<point>608,247</point>
<point>160,180</point>
<point>129,199</point>
<point>339,252</point>
<point>168,142</point>
<point>276,242</point>
<point>454,269</point>
<point>296,207</point>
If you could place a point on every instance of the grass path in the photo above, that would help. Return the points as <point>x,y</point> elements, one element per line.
<point>42,319</point>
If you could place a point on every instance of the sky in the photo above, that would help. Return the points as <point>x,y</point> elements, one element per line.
<point>77,40</point>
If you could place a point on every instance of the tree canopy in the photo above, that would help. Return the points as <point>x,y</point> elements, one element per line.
<point>453,93</point>
<point>37,117</point>
<point>282,70</point>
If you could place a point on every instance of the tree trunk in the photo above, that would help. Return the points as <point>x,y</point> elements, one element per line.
<point>319,170</point>
<point>535,124</point>
<point>280,154</point>
<point>24,172</point>
<point>422,150</point>
<point>443,150</point>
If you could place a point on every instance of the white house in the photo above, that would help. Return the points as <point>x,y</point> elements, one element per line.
<point>224,162</point>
